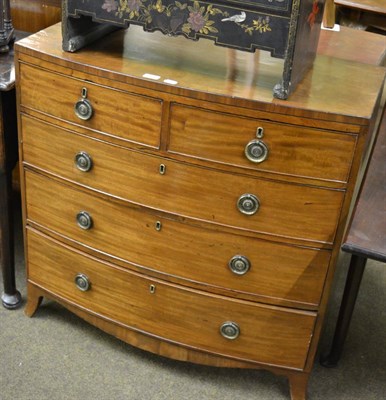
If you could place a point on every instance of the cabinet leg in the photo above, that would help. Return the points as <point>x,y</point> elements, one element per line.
<point>354,278</point>
<point>34,299</point>
<point>298,385</point>
<point>10,298</point>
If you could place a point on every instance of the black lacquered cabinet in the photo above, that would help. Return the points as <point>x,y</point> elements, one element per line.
<point>288,29</point>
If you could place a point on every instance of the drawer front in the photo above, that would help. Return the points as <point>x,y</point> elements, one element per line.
<point>283,149</point>
<point>242,265</point>
<point>128,116</point>
<point>286,210</point>
<point>268,335</point>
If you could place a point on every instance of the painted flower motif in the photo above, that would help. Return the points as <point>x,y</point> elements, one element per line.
<point>110,5</point>
<point>186,17</point>
<point>199,19</point>
<point>159,6</point>
<point>134,5</point>
<point>196,20</point>
<point>261,24</point>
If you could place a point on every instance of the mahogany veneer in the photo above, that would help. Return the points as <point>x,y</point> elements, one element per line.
<point>138,193</point>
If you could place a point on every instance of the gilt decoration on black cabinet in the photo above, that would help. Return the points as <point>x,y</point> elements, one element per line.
<point>288,29</point>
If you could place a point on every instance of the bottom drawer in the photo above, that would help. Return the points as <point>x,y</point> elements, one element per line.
<point>267,335</point>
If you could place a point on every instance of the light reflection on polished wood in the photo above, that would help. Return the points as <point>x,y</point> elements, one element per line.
<point>201,70</point>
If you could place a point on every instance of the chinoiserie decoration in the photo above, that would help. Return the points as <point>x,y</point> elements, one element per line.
<point>288,29</point>
<point>6,29</point>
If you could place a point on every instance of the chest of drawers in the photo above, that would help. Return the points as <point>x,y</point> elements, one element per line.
<point>185,214</point>
<point>288,29</point>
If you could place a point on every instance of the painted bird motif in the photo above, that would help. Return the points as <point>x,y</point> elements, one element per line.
<point>236,18</point>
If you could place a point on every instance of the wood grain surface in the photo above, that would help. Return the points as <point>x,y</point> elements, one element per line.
<point>375,6</point>
<point>190,318</point>
<point>325,93</point>
<point>287,210</point>
<point>181,252</point>
<point>366,234</point>
<point>34,15</point>
<point>167,142</point>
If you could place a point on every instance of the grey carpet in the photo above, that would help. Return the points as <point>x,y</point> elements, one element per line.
<point>57,356</point>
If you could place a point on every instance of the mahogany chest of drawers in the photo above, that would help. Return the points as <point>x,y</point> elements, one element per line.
<point>288,29</point>
<point>183,212</point>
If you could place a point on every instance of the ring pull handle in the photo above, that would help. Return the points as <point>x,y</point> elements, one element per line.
<point>82,282</point>
<point>83,161</point>
<point>256,151</point>
<point>84,220</point>
<point>239,265</point>
<point>83,108</point>
<point>248,204</point>
<point>230,330</point>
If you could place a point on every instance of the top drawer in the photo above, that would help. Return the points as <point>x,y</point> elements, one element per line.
<point>283,149</point>
<point>128,116</point>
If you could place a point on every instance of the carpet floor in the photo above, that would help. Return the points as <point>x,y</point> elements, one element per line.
<point>57,356</point>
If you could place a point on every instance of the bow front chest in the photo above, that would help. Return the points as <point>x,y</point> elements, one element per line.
<point>170,201</point>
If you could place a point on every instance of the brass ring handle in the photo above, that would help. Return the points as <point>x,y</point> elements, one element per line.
<point>82,282</point>
<point>83,108</point>
<point>248,204</point>
<point>256,151</point>
<point>84,220</point>
<point>230,330</point>
<point>239,265</point>
<point>83,161</point>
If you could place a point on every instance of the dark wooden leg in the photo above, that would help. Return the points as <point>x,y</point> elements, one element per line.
<point>11,298</point>
<point>354,278</point>
<point>298,385</point>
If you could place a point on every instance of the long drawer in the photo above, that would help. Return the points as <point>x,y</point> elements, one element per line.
<point>126,115</point>
<point>260,145</point>
<point>268,335</point>
<point>240,265</point>
<point>281,209</point>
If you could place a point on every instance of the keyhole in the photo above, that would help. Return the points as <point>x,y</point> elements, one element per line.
<point>259,132</point>
<point>162,169</point>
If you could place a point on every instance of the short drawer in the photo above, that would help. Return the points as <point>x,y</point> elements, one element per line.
<point>267,335</point>
<point>240,265</point>
<point>260,145</point>
<point>128,116</point>
<point>285,210</point>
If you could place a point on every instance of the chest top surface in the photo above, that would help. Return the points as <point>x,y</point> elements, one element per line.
<point>333,90</point>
